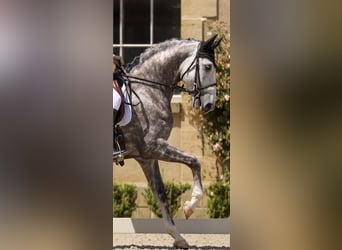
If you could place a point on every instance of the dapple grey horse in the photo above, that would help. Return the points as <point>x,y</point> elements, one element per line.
<point>152,82</point>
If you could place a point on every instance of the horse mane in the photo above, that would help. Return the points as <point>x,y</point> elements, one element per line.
<point>156,48</point>
<point>148,53</point>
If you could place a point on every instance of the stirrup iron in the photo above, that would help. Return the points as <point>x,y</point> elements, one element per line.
<point>118,156</point>
<point>118,149</point>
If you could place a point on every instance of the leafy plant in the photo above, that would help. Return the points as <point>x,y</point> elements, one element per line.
<point>173,193</point>
<point>124,198</point>
<point>216,127</point>
<point>216,124</point>
<point>218,200</point>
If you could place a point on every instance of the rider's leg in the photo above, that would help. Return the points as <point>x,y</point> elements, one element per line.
<point>116,106</point>
<point>115,116</point>
<point>118,140</point>
<point>118,143</point>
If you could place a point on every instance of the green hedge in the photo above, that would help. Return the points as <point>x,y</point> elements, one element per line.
<point>173,192</point>
<point>124,198</point>
<point>218,200</point>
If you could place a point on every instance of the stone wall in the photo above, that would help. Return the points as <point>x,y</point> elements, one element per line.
<point>196,13</point>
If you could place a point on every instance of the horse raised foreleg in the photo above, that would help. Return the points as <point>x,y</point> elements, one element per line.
<point>166,152</point>
<point>152,173</point>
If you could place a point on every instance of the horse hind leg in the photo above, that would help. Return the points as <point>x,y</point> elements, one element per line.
<point>153,176</point>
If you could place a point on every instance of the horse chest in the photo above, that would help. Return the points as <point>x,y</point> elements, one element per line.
<point>160,126</point>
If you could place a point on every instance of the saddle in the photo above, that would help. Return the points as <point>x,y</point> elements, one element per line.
<point>121,111</point>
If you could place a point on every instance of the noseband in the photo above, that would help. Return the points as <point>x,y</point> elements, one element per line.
<point>197,86</point>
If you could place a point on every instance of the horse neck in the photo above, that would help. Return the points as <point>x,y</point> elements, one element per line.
<point>163,67</point>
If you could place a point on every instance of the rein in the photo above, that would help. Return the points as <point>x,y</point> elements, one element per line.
<point>146,81</point>
<point>197,87</point>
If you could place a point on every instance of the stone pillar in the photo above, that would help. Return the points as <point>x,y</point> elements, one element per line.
<point>193,14</point>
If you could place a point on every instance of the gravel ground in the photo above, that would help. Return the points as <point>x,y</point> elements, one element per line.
<point>164,241</point>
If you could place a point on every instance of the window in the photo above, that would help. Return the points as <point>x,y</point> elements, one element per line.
<point>138,24</point>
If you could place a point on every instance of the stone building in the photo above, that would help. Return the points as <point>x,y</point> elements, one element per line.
<point>137,25</point>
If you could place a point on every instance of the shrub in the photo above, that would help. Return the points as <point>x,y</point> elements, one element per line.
<point>218,200</point>
<point>215,125</point>
<point>124,197</point>
<point>173,193</point>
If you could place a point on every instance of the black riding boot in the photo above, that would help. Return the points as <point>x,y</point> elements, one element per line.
<point>118,141</point>
<point>115,116</point>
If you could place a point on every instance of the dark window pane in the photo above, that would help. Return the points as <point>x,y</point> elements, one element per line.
<point>137,21</point>
<point>116,51</point>
<point>166,20</point>
<point>130,53</point>
<point>116,21</point>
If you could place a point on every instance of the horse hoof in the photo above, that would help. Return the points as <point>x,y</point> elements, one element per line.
<point>187,210</point>
<point>181,244</point>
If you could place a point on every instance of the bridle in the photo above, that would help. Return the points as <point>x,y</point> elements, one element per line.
<point>197,86</point>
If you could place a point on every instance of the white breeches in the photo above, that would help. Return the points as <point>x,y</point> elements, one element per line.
<point>116,100</point>
<point>128,109</point>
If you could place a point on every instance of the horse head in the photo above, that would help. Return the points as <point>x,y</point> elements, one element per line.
<point>198,71</point>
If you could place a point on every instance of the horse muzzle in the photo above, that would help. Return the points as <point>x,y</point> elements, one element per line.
<point>208,107</point>
<point>208,103</point>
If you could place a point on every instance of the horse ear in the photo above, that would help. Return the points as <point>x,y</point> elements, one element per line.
<point>210,41</point>
<point>216,43</point>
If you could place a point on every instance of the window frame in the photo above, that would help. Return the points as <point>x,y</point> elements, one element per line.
<point>122,45</point>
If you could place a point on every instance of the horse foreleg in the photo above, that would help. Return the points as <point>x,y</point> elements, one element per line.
<point>153,176</point>
<point>166,152</point>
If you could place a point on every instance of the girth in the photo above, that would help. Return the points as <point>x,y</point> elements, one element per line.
<point>121,111</point>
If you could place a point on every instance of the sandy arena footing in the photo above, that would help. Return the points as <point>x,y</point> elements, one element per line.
<point>165,241</point>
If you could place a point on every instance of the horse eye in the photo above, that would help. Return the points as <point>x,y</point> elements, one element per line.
<point>207,67</point>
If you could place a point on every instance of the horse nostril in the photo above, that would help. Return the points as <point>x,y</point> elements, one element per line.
<point>208,107</point>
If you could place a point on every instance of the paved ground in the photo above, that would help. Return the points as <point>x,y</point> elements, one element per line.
<point>164,241</point>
